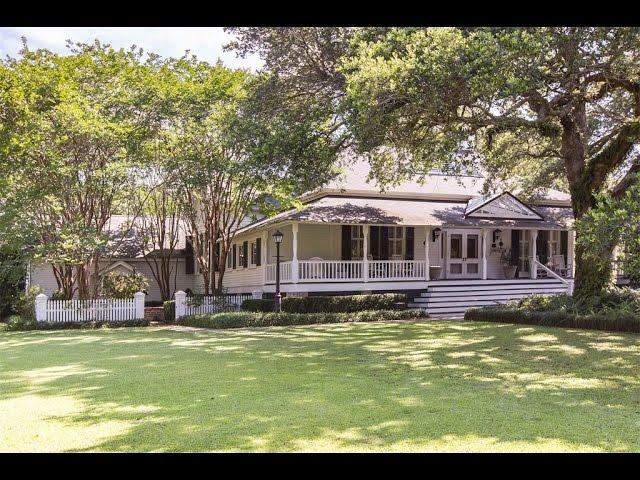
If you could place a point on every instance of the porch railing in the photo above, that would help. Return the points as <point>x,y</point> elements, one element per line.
<point>310,271</point>
<point>285,272</point>
<point>334,270</point>
<point>396,269</point>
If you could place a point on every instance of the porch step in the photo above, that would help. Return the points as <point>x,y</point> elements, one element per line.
<point>453,298</point>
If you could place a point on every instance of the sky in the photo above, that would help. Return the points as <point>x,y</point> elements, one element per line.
<point>205,43</point>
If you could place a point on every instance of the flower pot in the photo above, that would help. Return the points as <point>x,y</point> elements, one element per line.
<point>509,271</point>
<point>435,272</point>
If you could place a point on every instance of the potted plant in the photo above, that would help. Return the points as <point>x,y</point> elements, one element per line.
<point>434,272</point>
<point>508,266</point>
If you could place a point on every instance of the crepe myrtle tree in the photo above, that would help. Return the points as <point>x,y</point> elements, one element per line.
<point>539,107</point>
<point>69,130</point>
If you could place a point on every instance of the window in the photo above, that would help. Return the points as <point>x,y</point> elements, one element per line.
<point>253,251</point>
<point>229,259</point>
<point>554,243</point>
<point>396,243</point>
<point>357,242</point>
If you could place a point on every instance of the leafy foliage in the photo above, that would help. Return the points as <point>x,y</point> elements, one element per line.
<point>12,278</point>
<point>119,285</point>
<point>333,303</point>
<point>262,319</point>
<point>613,222</point>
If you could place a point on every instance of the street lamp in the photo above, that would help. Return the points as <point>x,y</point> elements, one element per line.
<point>277,237</point>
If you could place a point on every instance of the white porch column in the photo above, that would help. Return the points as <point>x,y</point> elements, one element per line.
<point>427,241</point>
<point>365,253</point>
<point>571,252</point>
<point>485,239</point>
<point>294,259</point>
<point>534,252</point>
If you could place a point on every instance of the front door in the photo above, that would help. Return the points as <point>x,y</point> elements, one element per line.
<point>463,254</point>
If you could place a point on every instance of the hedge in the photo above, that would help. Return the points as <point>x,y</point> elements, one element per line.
<point>326,304</point>
<point>169,311</point>
<point>609,321</point>
<point>262,319</point>
<point>18,323</point>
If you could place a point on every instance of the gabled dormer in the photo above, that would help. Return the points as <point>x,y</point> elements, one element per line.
<point>503,206</point>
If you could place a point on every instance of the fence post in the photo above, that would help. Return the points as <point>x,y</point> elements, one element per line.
<point>139,302</point>
<point>41,308</point>
<point>181,298</point>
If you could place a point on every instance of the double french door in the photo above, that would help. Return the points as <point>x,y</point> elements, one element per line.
<point>463,254</point>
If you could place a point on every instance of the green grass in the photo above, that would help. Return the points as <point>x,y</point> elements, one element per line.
<point>430,386</point>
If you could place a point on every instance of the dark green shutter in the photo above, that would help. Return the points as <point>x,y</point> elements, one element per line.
<point>258,251</point>
<point>234,256</point>
<point>542,245</point>
<point>245,253</point>
<point>374,242</point>
<point>564,245</point>
<point>346,242</point>
<point>515,246</point>
<point>384,243</point>
<point>189,258</point>
<point>409,244</point>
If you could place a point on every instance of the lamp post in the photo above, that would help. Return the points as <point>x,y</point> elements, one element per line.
<point>277,237</point>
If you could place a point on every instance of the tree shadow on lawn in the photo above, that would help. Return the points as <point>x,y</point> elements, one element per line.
<point>379,386</point>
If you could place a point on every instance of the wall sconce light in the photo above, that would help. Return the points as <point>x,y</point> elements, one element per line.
<point>435,234</point>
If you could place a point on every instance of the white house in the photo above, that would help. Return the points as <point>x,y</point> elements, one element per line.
<point>350,237</point>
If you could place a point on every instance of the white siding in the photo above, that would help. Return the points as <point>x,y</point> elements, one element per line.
<point>42,274</point>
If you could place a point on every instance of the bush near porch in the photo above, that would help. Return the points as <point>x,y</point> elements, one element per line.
<point>326,304</point>
<point>617,310</point>
<point>17,323</point>
<point>272,319</point>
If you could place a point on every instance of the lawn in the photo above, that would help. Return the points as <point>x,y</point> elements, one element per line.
<point>430,386</point>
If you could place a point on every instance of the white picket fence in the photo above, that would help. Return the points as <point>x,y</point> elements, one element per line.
<point>99,309</point>
<point>186,305</point>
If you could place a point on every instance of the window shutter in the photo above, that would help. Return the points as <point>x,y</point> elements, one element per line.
<point>564,245</point>
<point>235,257</point>
<point>542,245</point>
<point>189,259</point>
<point>346,242</point>
<point>409,244</point>
<point>384,243</point>
<point>245,252</point>
<point>258,251</point>
<point>515,246</point>
<point>374,237</point>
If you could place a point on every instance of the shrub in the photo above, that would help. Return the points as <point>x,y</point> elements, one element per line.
<point>118,285</point>
<point>262,319</point>
<point>613,321</point>
<point>169,311</point>
<point>26,304</point>
<point>335,304</point>
<point>259,305</point>
<point>18,323</point>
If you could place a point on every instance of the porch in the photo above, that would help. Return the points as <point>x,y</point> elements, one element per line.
<point>339,257</point>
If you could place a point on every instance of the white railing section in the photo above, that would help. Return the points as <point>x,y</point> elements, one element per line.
<point>548,270</point>
<point>334,270</point>
<point>214,303</point>
<point>99,309</point>
<point>285,272</point>
<point>396,269</point>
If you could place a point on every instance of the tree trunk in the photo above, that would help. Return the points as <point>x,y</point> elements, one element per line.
<point>591,278</point>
